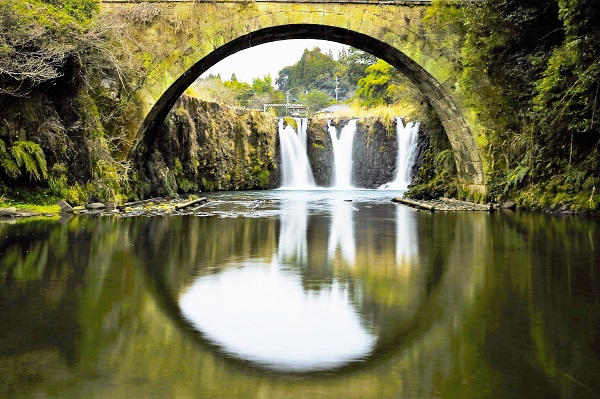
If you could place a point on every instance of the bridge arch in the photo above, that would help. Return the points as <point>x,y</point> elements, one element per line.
<point>393,38</point>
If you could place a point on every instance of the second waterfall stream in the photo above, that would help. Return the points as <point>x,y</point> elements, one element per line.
<point>296,171</point>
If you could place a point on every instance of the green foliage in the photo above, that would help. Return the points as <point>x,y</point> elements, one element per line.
<point>75,195</point>
<point>385,85</point>
<point>57,180</point>
<point>354,64</point>
<point>186,186</point>
<point>311,81</point>
<point>7,162</point>
<point>243,91</point>
<point>316,99</point>
<point>288,121</point>
<point>263,178</point>
<point>263,85</point>
<point>23,155</point>
<point>80,10</point>
<point>59,187</point>
<point>375,88</point>
<point>437,175</point>
<point>30,155</point>
<point>183,185</point>
<point>570,83</point>
<point>38,38</point>
<point>208,185</point>
<point>515,177</point>
<point>309,72</point>
<point>444,162</point>
<point>530,71</point>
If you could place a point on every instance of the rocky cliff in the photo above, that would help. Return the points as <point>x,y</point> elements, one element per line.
<point>204,146</point>
<point>201,146</point>
<point>374,151</point>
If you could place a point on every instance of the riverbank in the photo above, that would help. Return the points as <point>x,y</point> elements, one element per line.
<point>154,207</point>
<point>250,207</point>
<point>443,204</point>
<point>447,204</point>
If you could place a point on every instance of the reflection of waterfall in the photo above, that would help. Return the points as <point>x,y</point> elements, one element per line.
<point>341,232</point>
<point>293,233</point>
<point>407,248</point>
<point>259,312</point>
<point>407,150</point>
<point>295,168</point>
<point>342,154</point>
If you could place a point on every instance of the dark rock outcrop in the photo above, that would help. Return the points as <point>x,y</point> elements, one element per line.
<point>320,152</point>
<point>374,151</point>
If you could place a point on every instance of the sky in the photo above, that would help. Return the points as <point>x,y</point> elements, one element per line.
<point>256,62</point>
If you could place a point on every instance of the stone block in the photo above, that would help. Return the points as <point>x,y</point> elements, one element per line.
<point>65,207</point>
<point>10,211</point>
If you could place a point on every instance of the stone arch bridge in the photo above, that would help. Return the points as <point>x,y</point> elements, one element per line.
<point>178,40</point>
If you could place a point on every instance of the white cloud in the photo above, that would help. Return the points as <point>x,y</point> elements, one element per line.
<point>269,58</point>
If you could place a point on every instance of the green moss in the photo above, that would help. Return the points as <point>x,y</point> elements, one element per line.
<point>178,167</point>
<point>208,185</point>
<point>291,122</point>
<point>19,194</point>
<point>75,195</point>
<point>53,208</point>
<point>263,178</point>
<point>186,186</point>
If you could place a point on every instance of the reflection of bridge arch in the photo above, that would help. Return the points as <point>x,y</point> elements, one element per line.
<point>211,31</point>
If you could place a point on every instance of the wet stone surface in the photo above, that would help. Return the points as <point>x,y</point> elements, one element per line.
<point>443,204</point>
<point>201,207</point>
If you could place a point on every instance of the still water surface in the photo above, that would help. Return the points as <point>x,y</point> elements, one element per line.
<point>283,294</point>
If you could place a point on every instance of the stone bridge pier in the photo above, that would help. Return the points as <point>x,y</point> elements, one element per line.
<point>178,40</point>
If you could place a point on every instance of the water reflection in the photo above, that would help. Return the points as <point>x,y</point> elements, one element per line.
<point>293,244</point>
<point>478,305</point>
<point>341,232</point>
<point>406,237</point>
<point>259,312</point>
<point>280,315</point>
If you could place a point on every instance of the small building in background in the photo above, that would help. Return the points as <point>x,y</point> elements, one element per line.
<point>332,111</point>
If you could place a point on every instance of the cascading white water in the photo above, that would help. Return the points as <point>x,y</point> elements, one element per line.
<point>406,136</point>
<point>342,154</point>
<point>295,167</point>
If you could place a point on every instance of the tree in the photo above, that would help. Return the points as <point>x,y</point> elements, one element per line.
<point>242,89</point>
<point>314,70</point>
<point>214,90</point>
<point>263,85</point>
<point>355,62</point>
<point>283,80</point>
<point>378,86</point>
<point>316,99</point>
<point>38,38</point>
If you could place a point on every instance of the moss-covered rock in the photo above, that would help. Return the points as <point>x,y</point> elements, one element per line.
<point>205,146</point>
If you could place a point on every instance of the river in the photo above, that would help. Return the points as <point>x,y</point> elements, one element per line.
<point>301,294</point>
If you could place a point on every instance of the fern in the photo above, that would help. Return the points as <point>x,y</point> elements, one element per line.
<point>31,156</point>
<point>8,163</point>
<point>515,177</point>
<point>444,161</point>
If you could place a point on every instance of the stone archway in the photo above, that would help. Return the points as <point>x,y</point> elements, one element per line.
<point>393,33</point>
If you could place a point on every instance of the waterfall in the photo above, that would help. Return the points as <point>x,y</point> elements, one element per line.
<point>342,154</point>
<point>406,135</point>
<point>295,167</point>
